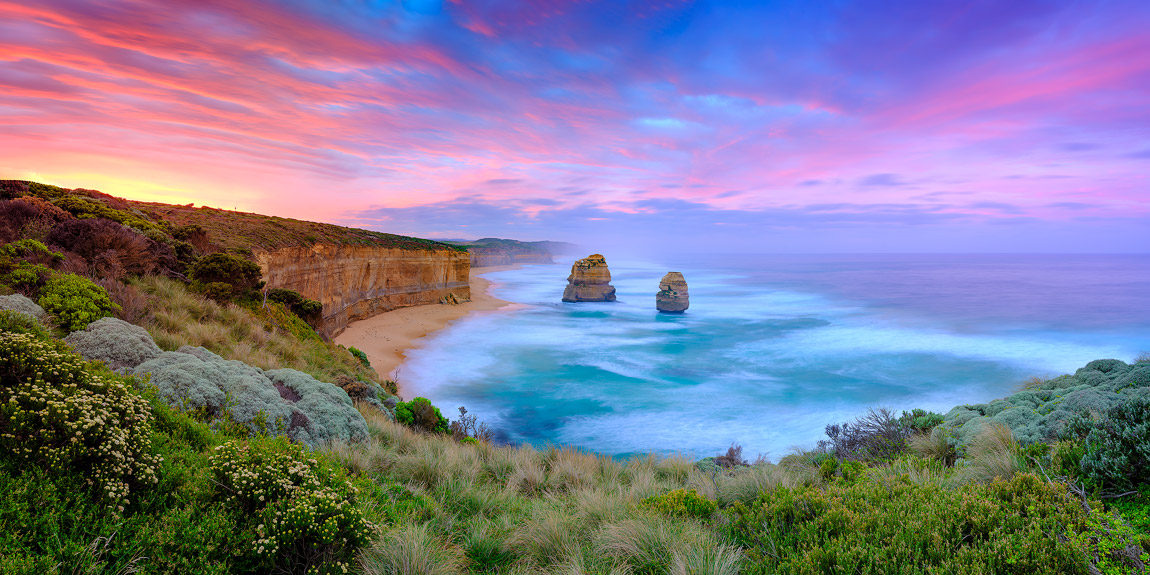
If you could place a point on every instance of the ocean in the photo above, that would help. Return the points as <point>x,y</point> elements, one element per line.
<point>774,348</point>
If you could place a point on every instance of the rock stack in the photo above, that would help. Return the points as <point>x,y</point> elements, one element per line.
<point>672,296</point>
<point>590,280</point>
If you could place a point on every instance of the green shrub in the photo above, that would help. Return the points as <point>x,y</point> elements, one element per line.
<point>902,527</point>
<point>217,291</point>
<point>421,415</point>
<point>360,355</point>
<point>920,420</point>
<point>1117,448</point>
<point>18,322</point>
<point>75,301</point>
<point>308,520</point>
<point>61,413</point>
<point>307,309</point>
<point>241,274</point>
<point>684,503</point>
<point>24,265</point>
<point>82,207</point>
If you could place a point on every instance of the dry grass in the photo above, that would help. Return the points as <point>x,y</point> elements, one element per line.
<point>548,537</point>
<point>180,317</point>
<point>990,454</point>
<point>747,483</point>
<point>572,469</point>
<point>649,544</point>
<point>933,445</point>
<point>718,560</point>
<point>412,550</point>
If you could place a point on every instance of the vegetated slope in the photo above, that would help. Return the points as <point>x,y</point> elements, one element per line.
<point>242,232</point>
<point>351,273</point>
<point>101,474</point>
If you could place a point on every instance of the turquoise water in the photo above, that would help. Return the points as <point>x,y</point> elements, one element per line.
<point>773,348</point>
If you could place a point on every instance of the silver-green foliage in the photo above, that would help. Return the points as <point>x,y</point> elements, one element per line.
<point>283,401</point>
<point>117,343</point>
<point>21,304</point>
<point>1041,412</point>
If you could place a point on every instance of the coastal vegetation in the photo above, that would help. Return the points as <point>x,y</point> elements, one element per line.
<point>151,424</point>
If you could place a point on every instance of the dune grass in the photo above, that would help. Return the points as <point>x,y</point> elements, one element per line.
<point>181,317</point>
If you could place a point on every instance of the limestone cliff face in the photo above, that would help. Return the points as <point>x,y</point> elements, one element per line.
<point>590,280</point>
<point>672,296</point>
<point>355,282</point>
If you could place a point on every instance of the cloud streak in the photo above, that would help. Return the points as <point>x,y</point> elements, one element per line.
<point>752,116</point>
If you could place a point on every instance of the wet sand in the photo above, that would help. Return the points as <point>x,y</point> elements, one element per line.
<point>385,338</point>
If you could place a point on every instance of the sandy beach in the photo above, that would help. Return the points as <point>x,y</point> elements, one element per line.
<point>386,337</point>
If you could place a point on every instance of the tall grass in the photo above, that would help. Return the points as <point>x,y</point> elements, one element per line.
<point>181,317</point>
<point>412,550</point>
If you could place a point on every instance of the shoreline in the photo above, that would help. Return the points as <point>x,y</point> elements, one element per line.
<point>387,337</point>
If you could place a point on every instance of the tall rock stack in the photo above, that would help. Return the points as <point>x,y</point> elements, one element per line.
<point>590,280</point>
<point>672,296</point>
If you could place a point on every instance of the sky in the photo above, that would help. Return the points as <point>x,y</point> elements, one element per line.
<point>837,126</point>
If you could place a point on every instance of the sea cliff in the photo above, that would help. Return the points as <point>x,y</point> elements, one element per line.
<point>356,281</point>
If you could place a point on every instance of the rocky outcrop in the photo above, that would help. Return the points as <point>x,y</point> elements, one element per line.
<point>357,282</point>
<point>672,296</point>
<point>590,280</point>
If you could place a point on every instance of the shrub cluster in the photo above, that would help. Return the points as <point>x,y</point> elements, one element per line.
<point>683,503</point>
<point>1041,412</point>
<point>421,415</point>
<point>17,303</point>
<point>308,309</point>
<point>1116,454</point>
<point>112,250</point>
<point>360,355</point>
<point>1005,527</point>
<point>28,217</point>
<point>64,414</point>
<point>75,301</point>
<point>222,275</point>
<point>281,401</point>
<point>878,435</point>
<point>26,265</point>
<point>308,520</point>
<point>115,342</point>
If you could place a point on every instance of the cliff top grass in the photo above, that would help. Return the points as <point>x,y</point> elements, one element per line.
<point>237,232</point>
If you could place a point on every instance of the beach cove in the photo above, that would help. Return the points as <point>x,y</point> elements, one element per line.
<point>386,338</point>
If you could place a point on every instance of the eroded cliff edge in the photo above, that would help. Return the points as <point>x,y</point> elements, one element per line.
<point>358,281</point>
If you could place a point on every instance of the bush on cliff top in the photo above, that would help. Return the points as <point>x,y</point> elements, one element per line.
<point>221,268</point>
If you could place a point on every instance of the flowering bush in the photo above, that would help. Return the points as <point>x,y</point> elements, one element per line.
<point>62,413</point>
<point>75,301</point>
<point>308,521</point>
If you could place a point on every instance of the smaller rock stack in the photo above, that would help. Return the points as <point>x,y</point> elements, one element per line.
<point>590,280</point>
<point>672,296</point>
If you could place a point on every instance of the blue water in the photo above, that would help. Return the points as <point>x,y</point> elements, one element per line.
<point>773,348</point>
